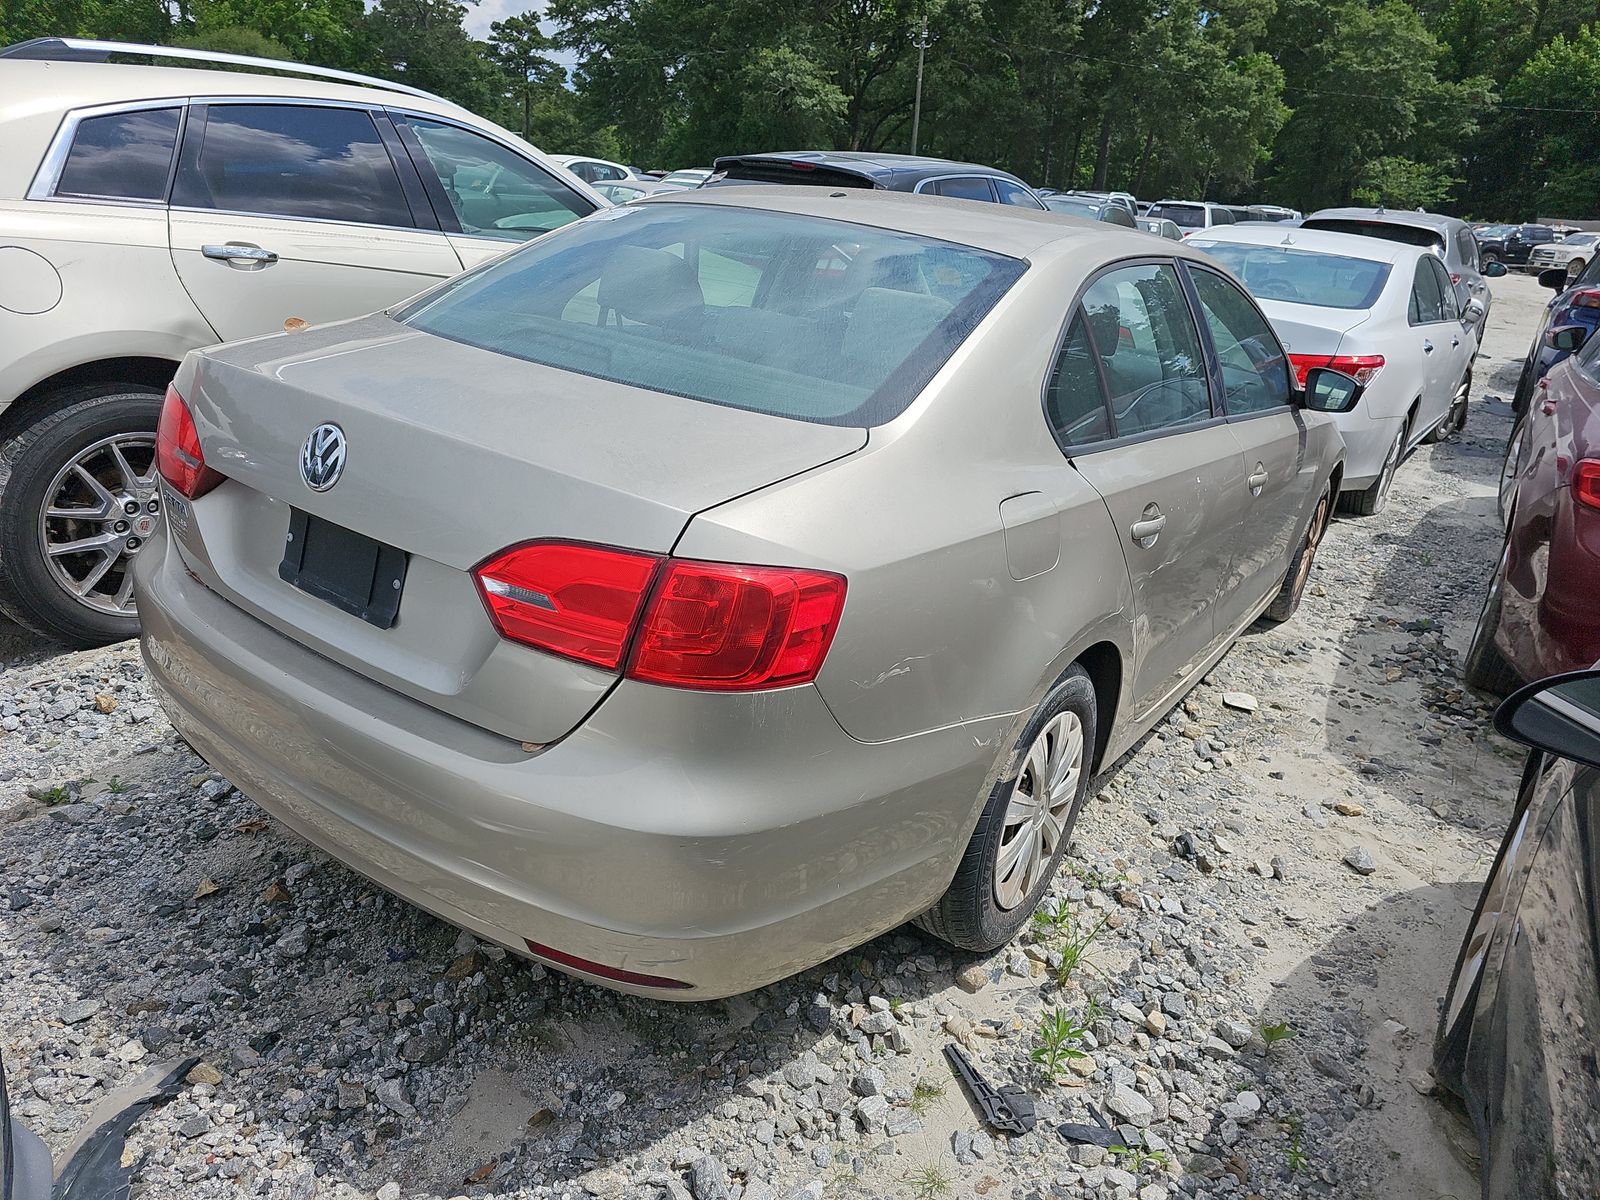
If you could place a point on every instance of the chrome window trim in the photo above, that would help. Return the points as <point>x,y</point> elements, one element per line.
<point>48,176</point>
<point>261,216</point>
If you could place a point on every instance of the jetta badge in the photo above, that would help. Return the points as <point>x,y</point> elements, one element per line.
<point>322,457</point>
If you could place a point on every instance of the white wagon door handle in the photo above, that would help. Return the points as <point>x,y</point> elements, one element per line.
<point>241,255</point>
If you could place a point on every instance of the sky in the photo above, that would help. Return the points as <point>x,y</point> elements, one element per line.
<point>479,15</point>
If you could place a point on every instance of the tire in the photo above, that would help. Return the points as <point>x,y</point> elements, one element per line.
<point>1455,419</point>
<point>1371,501</point>
<point>1519,398</point>
<point>88,425</point>
<point>1487,257</point>
<point>970,915</point>
<point>1294,583</point>
<point>1575,267</point>
<point>1484,667</point>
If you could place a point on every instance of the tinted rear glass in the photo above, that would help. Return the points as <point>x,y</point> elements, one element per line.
<point>1409,235</point>
<point>1301,276</point>
<point>791,315</point>
<point>1185,216</point>
<point>122,155</point>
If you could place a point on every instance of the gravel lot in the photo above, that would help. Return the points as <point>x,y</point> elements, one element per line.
<point>1303,864</point>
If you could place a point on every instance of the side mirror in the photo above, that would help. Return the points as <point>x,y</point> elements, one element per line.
<point>1331,391</point>
<point>1568,339</point>
<point>1473,314</point>
<point>1493,270</point>
<point>1560,715</point>
<point>1555,279</point>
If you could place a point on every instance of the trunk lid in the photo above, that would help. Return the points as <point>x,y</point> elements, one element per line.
<point>1311,328</point>
<point>454,453</point>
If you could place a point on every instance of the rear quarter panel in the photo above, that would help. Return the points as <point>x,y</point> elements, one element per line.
<point>118,293</point>
<point>936,630</point>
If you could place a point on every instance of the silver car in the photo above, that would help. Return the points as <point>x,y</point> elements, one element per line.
<point>1381,311</point>
<point>1452,240</point>
<point>689,596</point>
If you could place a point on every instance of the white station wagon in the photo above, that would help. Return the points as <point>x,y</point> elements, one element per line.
<point>146,211</point>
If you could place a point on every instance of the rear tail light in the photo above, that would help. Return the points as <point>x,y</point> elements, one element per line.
<point>1455,276</point>
<point>574,600</point>
<point>179,458</point>
<point>1586,298</point>
<point>1363,368</point>
<point>703,625</point>
<point>1586,482</point>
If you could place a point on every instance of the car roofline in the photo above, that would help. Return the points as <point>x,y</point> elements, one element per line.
<point>89,50</point>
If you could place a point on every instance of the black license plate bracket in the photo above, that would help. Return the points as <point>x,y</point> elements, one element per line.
<point>355,573</point>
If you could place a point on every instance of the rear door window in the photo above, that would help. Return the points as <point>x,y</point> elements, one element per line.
<point>1015,193</point>
<point>491,191</point>
<point>1467,248</point>
<point>796,316</point>
<point>1447,291</point>
<point>1149,349</point>
<point>1074,400</point>
<point>1427,298</point>
<point>963,187</point>
<point>121,156</point>
<point>290,160</point>
<point>1255,372</point>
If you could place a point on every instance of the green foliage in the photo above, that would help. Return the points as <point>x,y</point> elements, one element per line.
<point>1282,1031</point>
<point>924,1095</point>
<point>1060,1038</point>
<point>1483,106</point>
<point>928,1183</point>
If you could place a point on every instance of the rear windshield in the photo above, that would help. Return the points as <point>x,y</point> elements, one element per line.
<point>1186,216</point>
<point>795,316</point>
<point>1301,276</point>
<point>1410,235</point>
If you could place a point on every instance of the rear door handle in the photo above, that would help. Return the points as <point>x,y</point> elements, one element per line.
<point>1427,347</point>
<point>1258,480</point>
<point>1454,342</point>
<point>240,255</point>
<point>1144,532</point>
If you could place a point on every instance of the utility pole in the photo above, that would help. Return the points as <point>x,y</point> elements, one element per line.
<point>922,43</point>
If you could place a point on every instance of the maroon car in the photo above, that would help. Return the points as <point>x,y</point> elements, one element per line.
<point>1542,614</point>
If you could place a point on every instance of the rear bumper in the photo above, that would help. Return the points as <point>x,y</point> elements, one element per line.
<point>1366,445</point>
<point>721,841</point>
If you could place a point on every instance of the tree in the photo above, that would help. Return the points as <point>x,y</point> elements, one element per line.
<point>521,49</point>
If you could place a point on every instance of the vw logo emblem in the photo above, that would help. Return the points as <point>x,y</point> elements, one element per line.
<point>322,457</point>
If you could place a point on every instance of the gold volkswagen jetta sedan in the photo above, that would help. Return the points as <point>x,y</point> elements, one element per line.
<point>723,580</point>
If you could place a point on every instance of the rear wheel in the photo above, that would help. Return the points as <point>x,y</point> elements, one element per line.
<point>1455,420</point>
<point>1485,668</point>
<point>77,501</point>
<point>1371,501</point>
<point>1294,583</point>
<point>1026,823</point>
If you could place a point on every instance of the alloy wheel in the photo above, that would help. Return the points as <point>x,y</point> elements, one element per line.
<point>1319,526</point>
<point>99,510</point>
<point>1037,812</point>
<point>1391,467</point>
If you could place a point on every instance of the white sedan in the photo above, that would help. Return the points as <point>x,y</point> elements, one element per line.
<point>1381,311</point>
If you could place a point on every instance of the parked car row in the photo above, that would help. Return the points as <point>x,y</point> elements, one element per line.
<point>1381,309</point>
